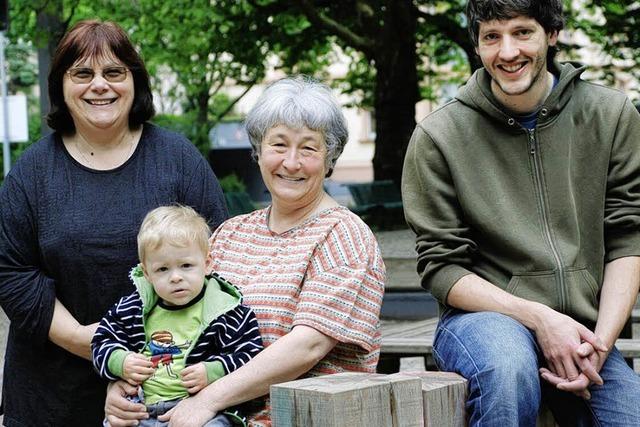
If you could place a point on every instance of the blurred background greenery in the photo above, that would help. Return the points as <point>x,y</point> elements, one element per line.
<point>398,52</point>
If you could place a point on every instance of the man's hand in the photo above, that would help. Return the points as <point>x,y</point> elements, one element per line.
<point>189,412</point>
<point>136,368</point>
<point>560,337</point>
<point>590,361</point>
<point>194,378</point>
<point>120,411</point>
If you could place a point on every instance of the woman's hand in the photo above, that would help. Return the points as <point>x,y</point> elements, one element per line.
<point>66,332</point>
<point>286,359</point>
<point>190,412</point>
<point>194,378</point>
<point>118,410</point>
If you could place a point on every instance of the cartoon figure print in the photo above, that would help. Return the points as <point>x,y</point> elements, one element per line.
<point>163,348</point>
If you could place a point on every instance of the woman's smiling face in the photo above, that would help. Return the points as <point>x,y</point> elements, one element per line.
<point>99,104</point>
<point>292,164</point>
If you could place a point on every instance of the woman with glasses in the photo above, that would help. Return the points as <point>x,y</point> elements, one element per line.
<point>69,214</point>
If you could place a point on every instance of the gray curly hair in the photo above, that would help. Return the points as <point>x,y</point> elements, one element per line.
<point>298,102</point>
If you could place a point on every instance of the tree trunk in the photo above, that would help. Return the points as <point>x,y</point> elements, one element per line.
<point>396,91</point>
<point>50,25</point>
<point>202,121</point>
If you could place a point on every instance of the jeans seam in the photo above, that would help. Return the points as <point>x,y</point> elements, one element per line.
<point>473,362</point>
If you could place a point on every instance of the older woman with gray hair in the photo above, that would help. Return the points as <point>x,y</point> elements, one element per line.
<point>310,269</point>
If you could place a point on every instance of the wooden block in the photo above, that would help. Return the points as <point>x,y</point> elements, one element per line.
<point>444,395</point>
<point>348,399</point>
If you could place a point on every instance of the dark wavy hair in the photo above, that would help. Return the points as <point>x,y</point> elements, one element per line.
<point>90,39</point>
<point>548,13</point>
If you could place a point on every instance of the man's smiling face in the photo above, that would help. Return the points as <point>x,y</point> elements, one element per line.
<point>514,53</point>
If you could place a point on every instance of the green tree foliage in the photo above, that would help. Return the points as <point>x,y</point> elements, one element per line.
<point>400,51</point>
<point>388,42</point>
<point>613,25</point>
<point>23,73</point>
<point>204,44</point>
<point>188,46</point>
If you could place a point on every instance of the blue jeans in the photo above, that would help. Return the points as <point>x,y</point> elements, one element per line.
<point>500,359</point>
<point>162,408</point>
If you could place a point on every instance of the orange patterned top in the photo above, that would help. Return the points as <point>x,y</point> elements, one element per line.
<point>326,273</point>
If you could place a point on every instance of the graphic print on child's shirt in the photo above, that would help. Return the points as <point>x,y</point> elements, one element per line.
<point>170,335</point>
<point>163,349</point>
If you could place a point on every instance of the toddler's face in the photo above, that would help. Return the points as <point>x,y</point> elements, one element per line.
<point>176,273</point>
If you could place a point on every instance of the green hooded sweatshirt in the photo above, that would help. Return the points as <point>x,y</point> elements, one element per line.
<point>537,213</point>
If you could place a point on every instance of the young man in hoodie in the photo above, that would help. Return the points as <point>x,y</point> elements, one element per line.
<point>524,194</point>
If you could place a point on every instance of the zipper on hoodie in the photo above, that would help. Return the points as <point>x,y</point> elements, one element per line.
<point>537,169</point>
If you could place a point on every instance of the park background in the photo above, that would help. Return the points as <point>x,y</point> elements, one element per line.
<point>390,63</point>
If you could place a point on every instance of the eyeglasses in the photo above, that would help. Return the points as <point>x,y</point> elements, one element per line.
<point>86,75</point>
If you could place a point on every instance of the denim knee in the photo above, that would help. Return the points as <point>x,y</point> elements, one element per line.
<point>500,359</point>
<point>617,401</point>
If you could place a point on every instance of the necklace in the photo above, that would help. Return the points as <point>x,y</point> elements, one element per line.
<point>92,150</point>
<point>91,146</point>
<point>84,157</point>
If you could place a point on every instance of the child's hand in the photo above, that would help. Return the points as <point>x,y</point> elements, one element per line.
<point>194,378</point>
<point>136,368</point>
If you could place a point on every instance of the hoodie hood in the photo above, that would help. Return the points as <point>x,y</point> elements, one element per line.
<point>220,296</point>
<point>476,93</point>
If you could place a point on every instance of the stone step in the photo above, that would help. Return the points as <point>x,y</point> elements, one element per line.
<point>399,256</point>
<point>401,275</point>
<point>408,305</point>
<point>404,297</point>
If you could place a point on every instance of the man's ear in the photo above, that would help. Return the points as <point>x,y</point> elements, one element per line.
<point>552,38</point>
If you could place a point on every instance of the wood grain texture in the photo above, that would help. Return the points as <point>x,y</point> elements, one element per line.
<point>415,337</point>
<point>348,399</point>
<point>444,395</point>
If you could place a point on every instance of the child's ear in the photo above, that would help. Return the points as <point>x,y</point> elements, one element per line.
<point>144,272</point>
<point>207,263</point>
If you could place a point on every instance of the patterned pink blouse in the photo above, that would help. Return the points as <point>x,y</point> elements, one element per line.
<point>326,273</point>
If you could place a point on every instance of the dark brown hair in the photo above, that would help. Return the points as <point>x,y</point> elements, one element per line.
<point>90,39</point>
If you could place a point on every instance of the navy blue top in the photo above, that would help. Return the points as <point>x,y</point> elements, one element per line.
<point>69,232</point>
<point>529,121</point>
